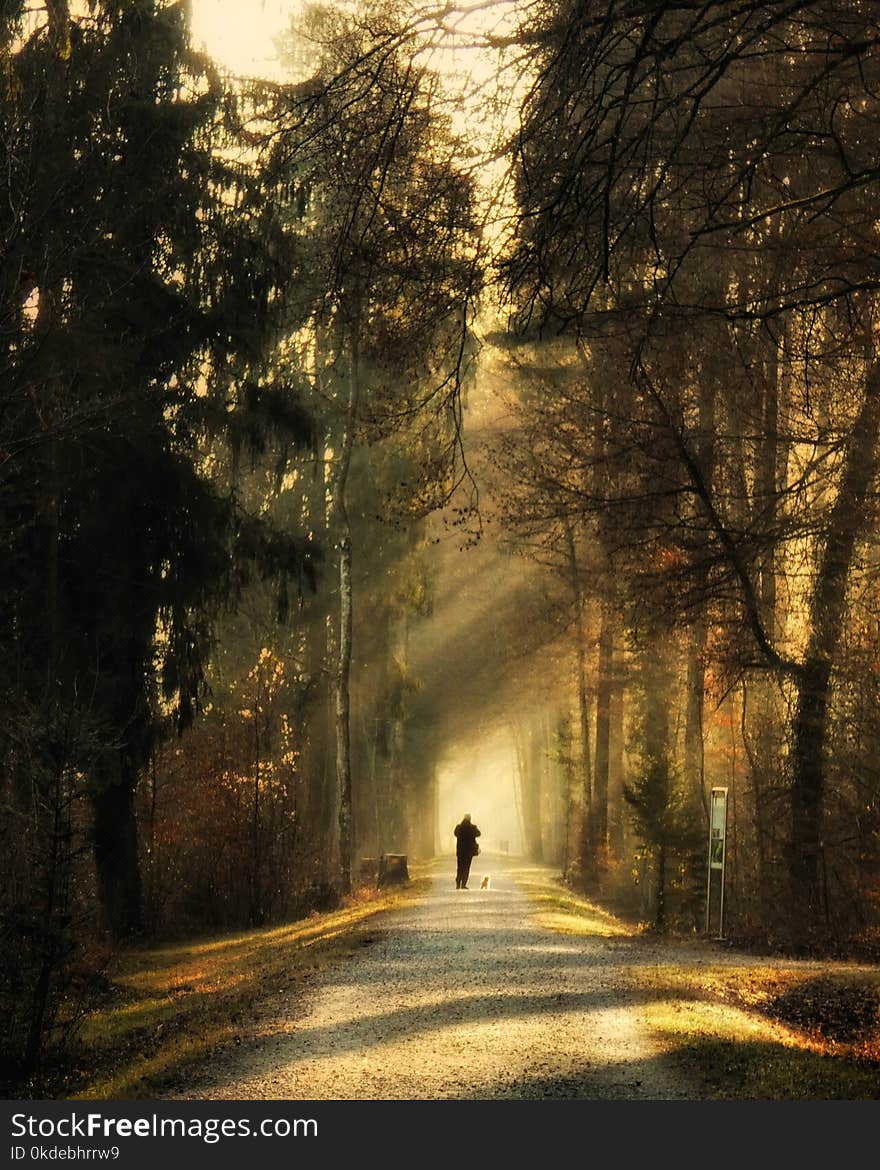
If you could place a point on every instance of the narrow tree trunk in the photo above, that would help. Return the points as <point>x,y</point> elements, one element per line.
<point>343,715</point>
<point>527,744</point>
<point>757,782</point>
<point>563,740</point>
<point>320,809</point>
<point>51,943</point>
<point>603,732</point>
<point>660,903</point>
<point>616,823</point>
<point>714,375</point>
<point>519,783</point>
<point>342,682</point>
<point>761,732</point>
<point>694,751</point>
<point>532,793</point>
<point>256,897</point>
<point>587,854</point>
<point>767,484</point>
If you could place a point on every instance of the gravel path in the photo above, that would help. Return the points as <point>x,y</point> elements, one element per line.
<point>462,996</point>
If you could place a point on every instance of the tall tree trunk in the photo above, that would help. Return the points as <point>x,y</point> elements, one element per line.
<point>753,745</point>
<point>55,910</point>
<point>342,680</point>
<point>554,813</point>
<point>827,609</point>
<point>714,375</point>
<point>767,485</point>
<point>315,766</point>
<point>605,681</point>
<point>616,822</point>
<point>343,715</point>
<point>586,852</point>
<point>116,848</point>
<point>532,792</point>
<point>519,783</point>
<point>527,742</point>
<point>660,900</point>
<point>564,749</point>
<point>761,723</point>
<point>255,908</point>
<point>694,751</point>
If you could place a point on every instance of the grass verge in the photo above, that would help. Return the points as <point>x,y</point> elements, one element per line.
<point>168,1007</point>
<point>737,1026</point>
<point>558,908</point>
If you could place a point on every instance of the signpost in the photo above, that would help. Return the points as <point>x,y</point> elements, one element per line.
<point>717,855</point>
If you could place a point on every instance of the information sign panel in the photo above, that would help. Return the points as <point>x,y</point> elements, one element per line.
<point>718,828</point>
<point>717,856</point>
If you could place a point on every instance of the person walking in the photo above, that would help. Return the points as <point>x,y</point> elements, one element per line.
<point>466,849</point>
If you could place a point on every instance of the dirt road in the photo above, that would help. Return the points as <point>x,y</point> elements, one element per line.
<point>461,996</point>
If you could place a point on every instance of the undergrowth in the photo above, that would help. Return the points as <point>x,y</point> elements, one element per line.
<point>165,1008</point>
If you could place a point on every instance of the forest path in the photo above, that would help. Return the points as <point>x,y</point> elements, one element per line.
<point>460,996</point>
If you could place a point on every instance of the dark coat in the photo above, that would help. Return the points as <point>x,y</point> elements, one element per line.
<point>466,833</point>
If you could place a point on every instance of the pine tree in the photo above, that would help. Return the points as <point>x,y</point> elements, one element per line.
<point>141,300</point>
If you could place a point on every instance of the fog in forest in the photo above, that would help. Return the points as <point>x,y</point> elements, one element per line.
<point>479,414</point>
<point>492,655</point>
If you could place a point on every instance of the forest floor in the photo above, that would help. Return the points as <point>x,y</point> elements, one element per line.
<point>523,990</point>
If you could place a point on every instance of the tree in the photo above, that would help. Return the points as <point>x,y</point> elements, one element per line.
<point>710,192</point>
<point>131,264</point>
<point>391,229</point>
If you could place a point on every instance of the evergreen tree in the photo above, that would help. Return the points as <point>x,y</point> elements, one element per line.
<point>140,300</point>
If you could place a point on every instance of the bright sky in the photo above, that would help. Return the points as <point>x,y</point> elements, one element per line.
<point>239,34</point>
